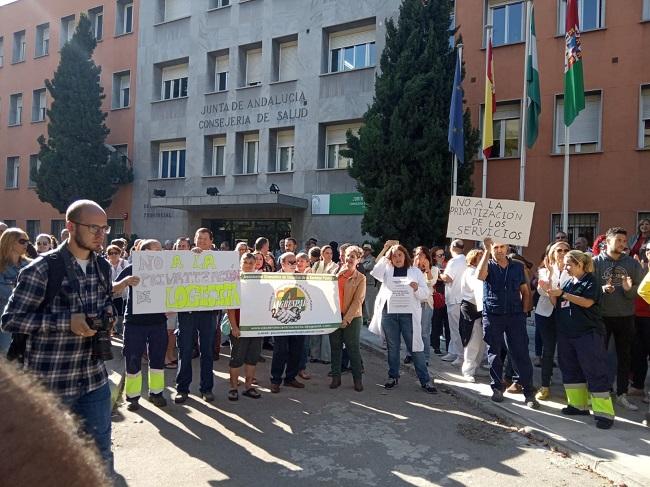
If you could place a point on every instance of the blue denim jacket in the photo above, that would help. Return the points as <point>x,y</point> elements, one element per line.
<point>501,294</point>
<point>8,280</point>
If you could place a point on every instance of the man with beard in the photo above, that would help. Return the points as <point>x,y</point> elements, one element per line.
<point>59,347</point>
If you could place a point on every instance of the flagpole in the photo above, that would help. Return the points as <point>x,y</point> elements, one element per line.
<point>488,34</point>
<point>454,188</point>
<point>565,185</point>
<point>524,106</point>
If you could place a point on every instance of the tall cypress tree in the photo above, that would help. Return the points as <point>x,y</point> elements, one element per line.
<point>401,159</point>
<point>75,162</point>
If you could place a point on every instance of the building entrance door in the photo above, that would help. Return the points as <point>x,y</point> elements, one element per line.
<point>233,231</point>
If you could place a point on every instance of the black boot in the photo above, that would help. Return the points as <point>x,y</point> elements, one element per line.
<point>336,382</point>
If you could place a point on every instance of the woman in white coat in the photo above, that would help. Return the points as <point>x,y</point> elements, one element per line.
<point>398,311</point>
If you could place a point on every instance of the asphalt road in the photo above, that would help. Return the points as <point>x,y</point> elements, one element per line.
<point>316,436</point>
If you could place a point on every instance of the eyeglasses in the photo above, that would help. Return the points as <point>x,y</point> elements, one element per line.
<point>113,253</point>
<point>562,250</point>
<point>95,229</point>
<point>439,255</point>
<point>22,241</point>
<point>42,243</point>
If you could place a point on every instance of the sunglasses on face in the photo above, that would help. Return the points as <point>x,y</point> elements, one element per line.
<point>562,250</point>
<point>42,243</point>
<point>440,255</point>
<point>22,241</point>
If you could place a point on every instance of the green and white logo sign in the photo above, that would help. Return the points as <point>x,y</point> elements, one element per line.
<point>337,204</point>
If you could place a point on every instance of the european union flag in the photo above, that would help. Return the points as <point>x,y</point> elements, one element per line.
<point>456,136</point>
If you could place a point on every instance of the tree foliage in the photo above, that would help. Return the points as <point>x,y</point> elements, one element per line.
<point>401,159</point>
<point>74,160</point>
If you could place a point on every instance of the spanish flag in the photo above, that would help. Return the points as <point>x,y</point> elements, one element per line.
<point>490,103</point>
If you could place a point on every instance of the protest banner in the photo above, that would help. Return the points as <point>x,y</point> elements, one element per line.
<point>505,221</point>
<point>181,280</point>
<point>277,304</point>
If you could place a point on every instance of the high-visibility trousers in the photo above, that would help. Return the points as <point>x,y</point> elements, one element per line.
<point>137,339</point>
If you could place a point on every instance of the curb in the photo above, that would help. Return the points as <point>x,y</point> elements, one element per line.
<point>577,451</point>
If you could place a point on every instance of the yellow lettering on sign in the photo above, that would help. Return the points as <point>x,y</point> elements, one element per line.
<point>208,296</point>
<point>204,262</point>
<point>177,262</point>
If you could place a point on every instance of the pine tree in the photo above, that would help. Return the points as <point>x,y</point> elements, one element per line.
<point>75,162</point>
<point>401,159</point>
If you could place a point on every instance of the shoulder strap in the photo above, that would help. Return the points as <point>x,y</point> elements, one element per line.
<point>55,274</point>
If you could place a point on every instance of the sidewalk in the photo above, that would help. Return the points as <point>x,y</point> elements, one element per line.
<point>115,369</point>
<point>621,454</point>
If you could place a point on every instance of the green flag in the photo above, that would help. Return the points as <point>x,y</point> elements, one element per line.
<point>574,85</point>
<point>534,99</point>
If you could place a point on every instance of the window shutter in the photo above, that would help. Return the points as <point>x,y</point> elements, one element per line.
<point>585,128</point>
<point>219,141</point>
<point>286,138</point>
<point>507,110</point>
<point>167,146</point>
<point>175,9</point>
<point>288,61</point>
<point>336,134</point>
<point>645,101</point>
<point>222,64</point>
<point>174,72</point>
<point>352,37</point>
<point>254,66</point>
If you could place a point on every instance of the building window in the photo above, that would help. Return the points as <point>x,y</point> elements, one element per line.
<point>335,142</point>
<point>39,105</point>
<point>2,52</point>
<point>217,157</point>
<point>452,24</point>
<point>172,160</point>
<point>644,126</point>
<point>352,49</point>
<point>117,227</point>
<point>218,3</point>
<point>590,12</point>
<point>174,82</point>
<point>585,130</point>
<point>174,9</point>
<point>506,130</point>
<point>579,225</point>
<point>221,68</point>
<point>34,166</point>
<point>33,228</point>
<point>20,47</point>
<point>247,153</point>
<point>124,17</point>
<point>56,226</point>
<point>122,151</point>
<point>16,109</point>
<point>42,40</point>
<point>646,10</point>
<point>67,30</point>
<point>507,20</point>
<point>122,89</point>
<point>284,150</point>
<point>253,74</point>
<point>11,174</point>
<point>96,17</point>
<point>288,61</point>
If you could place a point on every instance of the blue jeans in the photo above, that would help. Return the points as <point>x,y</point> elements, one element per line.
<point>189,324</point>
<point>94,410</point>
<point>394,325</point>
<point>5,341</point>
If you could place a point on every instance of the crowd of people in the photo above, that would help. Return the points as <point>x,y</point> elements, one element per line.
<point>63,301</point>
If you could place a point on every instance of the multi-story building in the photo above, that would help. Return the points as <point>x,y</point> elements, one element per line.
<point>610,139</point>
<point>31,35</point>
<point>242,110</point>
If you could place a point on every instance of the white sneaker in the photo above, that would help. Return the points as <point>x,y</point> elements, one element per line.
<point>458,362</point>
<point>622,401</point>
<point>469,378</point>
<point>450,357</point>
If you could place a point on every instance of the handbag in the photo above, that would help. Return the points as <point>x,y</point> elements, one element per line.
<point>438,300</point>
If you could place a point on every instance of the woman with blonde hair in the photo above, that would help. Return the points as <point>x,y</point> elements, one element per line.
<point>471,326</point>
<point>580,341</point>
<point>13,257</point>
<point>553,274</point>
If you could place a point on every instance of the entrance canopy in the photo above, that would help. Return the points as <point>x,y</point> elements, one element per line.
<point>241,201</point>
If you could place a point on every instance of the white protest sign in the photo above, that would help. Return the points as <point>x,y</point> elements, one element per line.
<point>181,280</point>
<point>505,221</point>
<point>277,304</point>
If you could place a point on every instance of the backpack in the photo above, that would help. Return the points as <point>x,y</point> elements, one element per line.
<point>55,274</point>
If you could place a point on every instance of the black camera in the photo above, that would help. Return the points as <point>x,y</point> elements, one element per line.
<point>102,339</point>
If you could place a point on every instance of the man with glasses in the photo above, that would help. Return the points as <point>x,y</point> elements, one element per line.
<point>191,323</point>
<point>287,350</point>
<point>60,341</point>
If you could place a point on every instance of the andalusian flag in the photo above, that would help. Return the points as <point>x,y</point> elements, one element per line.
<point>534,99</point>
<point>490,103</point>
<point>574,85</point>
